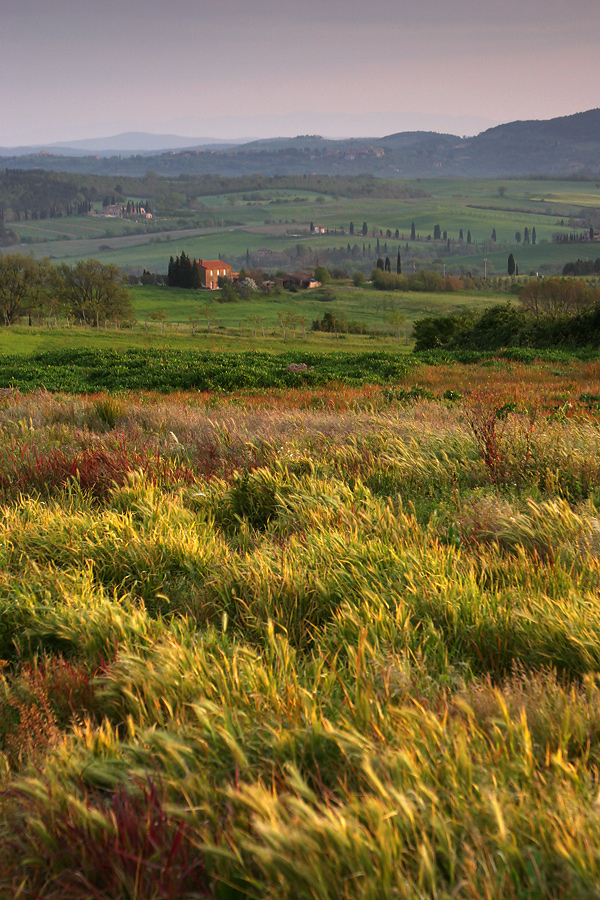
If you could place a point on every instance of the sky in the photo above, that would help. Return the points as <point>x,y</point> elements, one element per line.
<point>76,69</point>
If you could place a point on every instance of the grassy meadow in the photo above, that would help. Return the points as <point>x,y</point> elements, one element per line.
<point>276,322</point>
<point>310,642</point>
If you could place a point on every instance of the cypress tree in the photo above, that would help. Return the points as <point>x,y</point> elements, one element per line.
<point>196,276</point>
<point>511,264</point>
<point>398,264</point>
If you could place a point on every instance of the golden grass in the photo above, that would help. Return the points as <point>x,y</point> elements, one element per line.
<point>318,649</point>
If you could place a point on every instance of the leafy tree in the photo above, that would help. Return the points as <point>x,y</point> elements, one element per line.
<point>437,233</point>
<point>388,265</point>
<point>511,264</point>
<point>518,237</point>
<point>582,267</point>
<point>92,291</point>
<point>322,275</point>
<point>380,263</point>
<point>23,281</point>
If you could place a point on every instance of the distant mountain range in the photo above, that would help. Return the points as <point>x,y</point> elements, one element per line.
<point>569,145</point>
<point>129,143</point>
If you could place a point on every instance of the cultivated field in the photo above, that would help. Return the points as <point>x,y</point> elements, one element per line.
<point>309,642</point>
<point>270,224</point>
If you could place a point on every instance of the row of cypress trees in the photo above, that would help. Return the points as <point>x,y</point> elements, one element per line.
<point>183,272</point>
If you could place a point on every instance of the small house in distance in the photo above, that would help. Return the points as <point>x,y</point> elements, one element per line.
<point>210,270</point>
<point>297,282</point>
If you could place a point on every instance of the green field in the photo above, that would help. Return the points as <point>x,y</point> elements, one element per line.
<point>198,320</point>
<point>269,224</point>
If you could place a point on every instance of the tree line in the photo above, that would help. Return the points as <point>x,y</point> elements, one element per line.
<point>554,312</point>
<point>27,191</point>
<point>184,272</point>
<point>90,292</point>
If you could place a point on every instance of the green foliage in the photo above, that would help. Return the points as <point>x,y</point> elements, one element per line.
<point>93,292</point>
<point>171,370</point>
<point>322,275</point>
<point>506,326</point>
<point>184,272</point>
<point>582,267</point>
<point>24,286</point>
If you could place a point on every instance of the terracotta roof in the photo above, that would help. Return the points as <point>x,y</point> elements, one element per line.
<point>212,263</point>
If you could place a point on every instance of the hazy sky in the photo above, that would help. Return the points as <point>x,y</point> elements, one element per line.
<point>73,69</point>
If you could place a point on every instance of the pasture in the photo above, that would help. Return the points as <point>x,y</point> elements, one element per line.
<point>274,322</point>
<point>270,224</point>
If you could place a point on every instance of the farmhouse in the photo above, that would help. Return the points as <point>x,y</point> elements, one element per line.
<point>297,282</point>
<point>210,270</point>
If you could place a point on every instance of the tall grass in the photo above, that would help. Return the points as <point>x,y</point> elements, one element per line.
<point>330,650</point>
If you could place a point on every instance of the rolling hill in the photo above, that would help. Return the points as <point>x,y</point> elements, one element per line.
<point>568,145</point>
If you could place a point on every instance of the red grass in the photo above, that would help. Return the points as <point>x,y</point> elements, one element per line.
<point>142,852</point>
<point>25,469</point>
